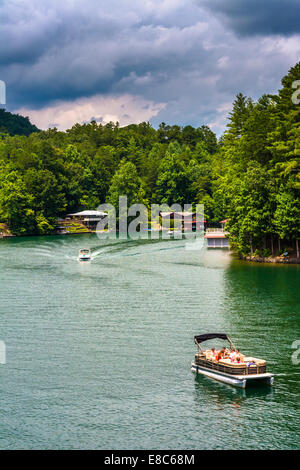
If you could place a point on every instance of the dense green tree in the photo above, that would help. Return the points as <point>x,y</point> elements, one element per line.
<point>241,111</point>
<point>172,183</point>
<point>257,171</point>
<point>126,182</point>
<point>251,210</point>
<point>287,216</point>
<point>16,205</point>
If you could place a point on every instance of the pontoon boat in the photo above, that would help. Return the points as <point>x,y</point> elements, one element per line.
<point>233,372</point>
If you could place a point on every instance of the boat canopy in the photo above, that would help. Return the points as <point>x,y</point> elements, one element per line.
<point>207,336</point>
<point>201,338</point>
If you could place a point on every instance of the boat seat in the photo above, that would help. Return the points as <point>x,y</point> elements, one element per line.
<point>207,354</point>
<point>258,362</point>
<point>227,362</point>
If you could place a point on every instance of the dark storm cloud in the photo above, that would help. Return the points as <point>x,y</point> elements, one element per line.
<point>263,17</point>
<point>164,51</point>
<point>64,50</point>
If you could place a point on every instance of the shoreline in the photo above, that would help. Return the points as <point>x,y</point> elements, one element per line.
<point>271,260</point>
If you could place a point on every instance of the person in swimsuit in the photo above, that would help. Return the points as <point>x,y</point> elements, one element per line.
<point>213,353</point>
<point>220,354</point>
<point>232,355</point>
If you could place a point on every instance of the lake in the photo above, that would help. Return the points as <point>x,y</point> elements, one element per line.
<point>98,354</point>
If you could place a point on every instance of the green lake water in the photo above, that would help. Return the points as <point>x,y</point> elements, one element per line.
<point>98,354</point>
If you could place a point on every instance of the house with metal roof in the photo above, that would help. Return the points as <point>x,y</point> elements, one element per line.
<point>89,218</point>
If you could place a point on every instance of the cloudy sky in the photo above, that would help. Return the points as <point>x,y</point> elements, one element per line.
<point>177,61</point>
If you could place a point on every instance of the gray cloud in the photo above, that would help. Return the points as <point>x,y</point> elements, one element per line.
<point>163,51</point>
<point>263,17</point>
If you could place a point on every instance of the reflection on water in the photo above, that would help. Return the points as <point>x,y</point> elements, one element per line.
<point>224,394</point>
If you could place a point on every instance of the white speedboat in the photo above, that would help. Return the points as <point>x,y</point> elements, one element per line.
<point>233,372</point>
<point>84,255</point>
<point>175,232</point>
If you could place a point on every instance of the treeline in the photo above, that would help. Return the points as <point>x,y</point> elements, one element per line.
<point>250,176</point>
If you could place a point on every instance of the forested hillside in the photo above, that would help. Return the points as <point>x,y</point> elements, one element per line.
<point>51,173</point>
<point>14,124</point>
<point>251,176</point>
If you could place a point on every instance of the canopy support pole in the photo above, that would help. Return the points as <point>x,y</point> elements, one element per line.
<point>198,346</point>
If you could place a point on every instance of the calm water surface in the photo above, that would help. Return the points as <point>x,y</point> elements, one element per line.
<point>98,354</point>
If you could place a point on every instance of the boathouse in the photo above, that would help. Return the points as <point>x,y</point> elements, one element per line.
<point>217,237</point>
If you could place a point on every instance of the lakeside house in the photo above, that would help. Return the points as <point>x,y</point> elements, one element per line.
<point>189,220</point>
<point>88,218</point>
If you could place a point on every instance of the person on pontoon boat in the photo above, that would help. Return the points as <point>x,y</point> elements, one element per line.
<point>213,353</point>
<point>221,354</point>
<point>232,355</point>
<point>239,358</point>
